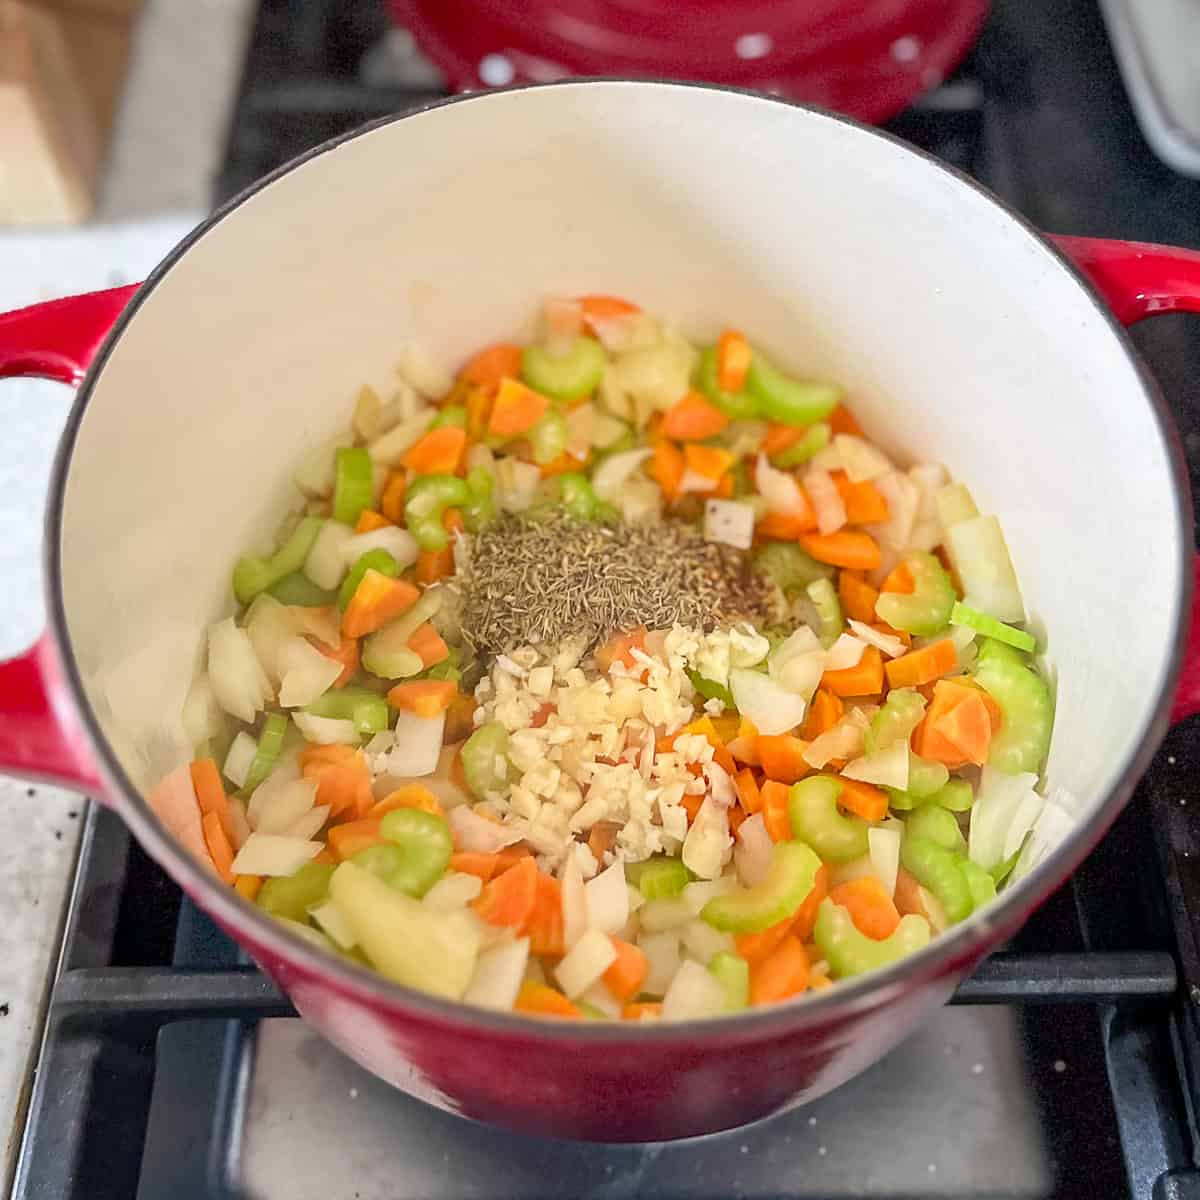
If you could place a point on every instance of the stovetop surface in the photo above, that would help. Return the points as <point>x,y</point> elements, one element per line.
<point>1021,1101</point>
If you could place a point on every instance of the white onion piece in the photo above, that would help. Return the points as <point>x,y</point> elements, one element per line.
<point>305,674</point>
<point>883,847</point>
<point>326,562</point>
<point>1057,819</point>
<point>730,522</point>
<point>618,331</point>
<point>884,768</point>
<point>693,995</point>
<point>239,827</point>
<point>902,498</point>
<point>315,475</point>
<point>380,743</point>
<point>416,367</point>
<point>309,825</point>
<point>779,489</point>
<point>860,460</point>
<point>662,960</point>
<point>640,500</point>
<point>392,446</point>
<point>858,868</point>
<point>614,470</point>
<point>574,902</point>
<point>697,895</point>
<point>998,801</point>
<point>417,746</point>
<point>931,906</point>
<point>202,716</point>
<point>607,901</point>
<point>1024,819</point>
<point>930,478</point>
<point>581,423</point>
<point>657,916</point>
<point>268,854</point>
<point>893,647</point>
<point>602,1000</point>
<point>283,807</point>
<point>326,731</point>
<point>693,481</point>
<point>285,775</point>
<point>516,484</point>
<point>397,542</point>
<point>585,962</point>
<point>980,556</point>
<point>752,855</point>
<point>766,704</point>
<point>702,941</point>
<point>844,740</point>
<point>846,652</point>
<point>477,835</point>
<point>330,919</point>
<point>498,975</point>
<point>234,672</point>
<point>826,500</point>
<point>241,754</point>
<point>828,459</point>
<point>455,889</point>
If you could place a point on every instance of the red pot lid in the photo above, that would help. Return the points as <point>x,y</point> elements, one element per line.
<point>867,58</point>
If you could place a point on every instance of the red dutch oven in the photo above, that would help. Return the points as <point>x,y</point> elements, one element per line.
<point>962,335</point>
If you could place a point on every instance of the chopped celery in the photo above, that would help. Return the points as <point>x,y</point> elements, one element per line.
<point>427,500</point>
<point>710,689</point>
<point>417,854</point>
<point>253,574</point>
<point>789,567</point>
<point>926,610</point>
<point>738,406</point>
<point>791,401</point>
<point>849,952</point>
<point>816,820</point>
<point>564,376</point>
<point>658,878</point>
<point>291,896</point>
<point>936,825</point>
<point>900,715</point>
<point>270,743</point>
<point>785,887</point>
<point>829,611</point>
<point>939,870</point>
<point>353,484</point>
<point>374,560</point>
<point>980,556</point>
<point>1002,871</point>
<point>927,778</point>
<point>366,709</point>
<point>962,614</point>
<point>732,972</point>
<point>955,795</point>
<point>452,415</point>
<point>387,654</point>
<point>815,439</point>
<point>485,759</point>
<point>481,506</point>
<point>299,590</point>
<point>1021,742</point>
<point>548,438</point>
<point>573,491</point>
<point>980,883</point>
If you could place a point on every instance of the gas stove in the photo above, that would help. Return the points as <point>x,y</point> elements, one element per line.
<point>1067,1066</point>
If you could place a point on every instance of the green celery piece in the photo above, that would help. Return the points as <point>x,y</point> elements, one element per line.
<point>939,870</point>
<point>366,709</point>
<point>299,590</point>
<point>926,610</point>
<point>548,438</point>
<point>452,415</point>
<point>926,778</point>
<point>564,376</point>
<point>658,878</point>
<point>815,439</point>
<point>481,506</point>
<point>253,574</point>
<point>783,889</point>
<point>1023,738</point>
<point>353,484</point>
<point>954,794</point>
<point>829,611</point>
<point>980,883</point>
<point>270,743</point>
<point>290,896</point>
<point>737,406</point>
<point>963,614</point>
<point>710,689</point>
<point>480,755</point>
<point>816,820</point>
<point>732,972</point>
<point>424,846</point>
<point>448,669</point>
<point>1001,871</point>
<point>386,653</point>
<point>849,952</point>
<point>900,715</point>
<point>374,560</point>
<point>428,498</point>
<point>791,401</point>
<point>939,825</point>
<point>789,567</point>
<point>572,491</point>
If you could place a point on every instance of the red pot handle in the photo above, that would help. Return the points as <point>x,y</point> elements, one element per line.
<point>40,733</point>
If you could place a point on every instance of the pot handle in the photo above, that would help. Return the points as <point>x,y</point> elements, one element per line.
<point>1140,280</point>
<point>40,733</point>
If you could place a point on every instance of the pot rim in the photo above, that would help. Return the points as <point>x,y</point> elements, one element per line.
<point>951,951</point>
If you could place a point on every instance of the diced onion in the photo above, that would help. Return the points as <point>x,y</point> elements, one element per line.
<point>779,488</point>
<point>314,477</point>
<point>516,484</point>
<point>581,421</point>
<point>241,754</point>
<point>477,835</point>
<point>585,962</point>
<point>330,919</point>
<point>418,744</point>
<point>272,855</point>
<point>309,825</point>
<point>998,802</point>
<point>846,652</point>
<point>611,474</point>
<point>602,1000</point>
<point>607,901</point>
<point>657,916</point>
<point>304,673</point>
<point>326,731</point>
<point>702,941</point>
<point>498,975</point>
<point>798,663</point>
<point>416,367</point>
<point>860,460</point>
<point>641,500</point>
<point>826,500</point>
<point>843,740</point>
<point>884,768</point>
<point>766,704</point>
<point>752,855</point>
<point>326,561</point>
<point>902,498</point>
<point>237,679</point>
<point>393,445</point>
<point>202,716</point>
<point>883,846</point>
<point>858,868</point>
<point>574,902</point>
<point>1054,824</point>
<point>397,542</point>
<point>662,960</point>
<point>730,522</point>
<point>694,994</point>
<point>282,807</point>
<point>893,647</point>
<point>455,889</point>
<point>697,895</point>
<point>693,481</point>
<point>980,556</point>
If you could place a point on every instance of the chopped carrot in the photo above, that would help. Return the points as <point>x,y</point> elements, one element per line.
<point>958,725</point>
<point>806,916</point>
<point>437,452</point>
<point>780,437</point>
<point>693,418</point>
<point>644,1010</point>
<point>544,925</point>
<point>776,817</point>
<point>691,805</point>
<point>863,501</point>
<point>347,654</point>
<point>865,678</point>
<point>429,645</point>
<point>482,866</point>
<point>995,715</point>
<point>516,409</point>
<point>744,747</point>
<point>602,837</point>
<point>368,520</point>
<point>968,727</point>
<point>324,857</point>
<point>907,896</point>
<point>842,420</point>
<point>423,697</point>
<point>863,799</point>
<point>782,974</point>
<point>479,409</point>
<point>376,601</point>
<point>347,839</point>
<point>783,757</point>
<point>562,464</point>
<point>733,360</point>
<point>709,461</point>
<point>825,711</point>
<point>219,849</point>
<point>667,467</point>
<point>391,503</point>
<point>210,794</point>
<point>624,977</point>
<point>899,580</point>
<point>754,947</point>
<point>433,565</point>
<point>870,907</point>
<point>408,795</point>
<point>342,778</point>
<point>460,719</point>
<point>735,815</point>
<point>544,1001</point>
<point>922,666</point>
<point>788,527</point>
<point>248,886</point>
<point>724,489</point>
<point>847,548</point>
<point>508,899</point>
<point>748,791</point>
<point>619,648</point>
<point>857,596</point>
<point>605,308</point>
<point>492,364</point>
